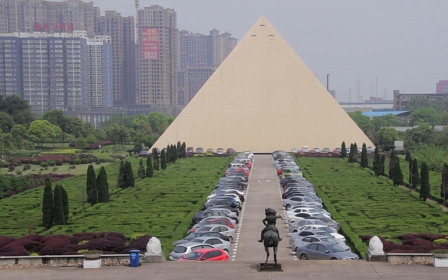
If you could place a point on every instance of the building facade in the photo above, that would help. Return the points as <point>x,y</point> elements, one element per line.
<point>401,100</point>
<point>442,86</point>
<point>57,71</point>
<point>199,56</point>
<point>157,63</point>
<point>122,31</point>
<point>48,16</point>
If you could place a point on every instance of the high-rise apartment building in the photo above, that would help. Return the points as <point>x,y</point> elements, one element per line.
<point>200,55</point>
<point>442,86</point>
<point>157,52</point>
<point>47,16</point>
<point>122,31</point>
<point>57,71</point>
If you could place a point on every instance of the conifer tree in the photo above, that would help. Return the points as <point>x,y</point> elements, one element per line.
<point>65,204</point>
<point>92,190</point>
<point>355,152</point>
<point>424,186</point>
<point>121,174</point>
<point>444,184</point>
<point>183,150</point>
<point>383,164</point>
<point>364,158</point>
<point>415,177</point>
<point>58,208</point>
<point>129,177</point>
<point>163,159</point>
<point>141,170</point>
<point>167,154</point>
<point>149,168</point>
<point>377,162</point>
<point>102,186</point>
<point>398,175</point>
<point>179,150</point>
<point>343,150</point>
<point>155,155</point>
<point>408,156</point>
<point>47,205</point>
<point>391,165</point>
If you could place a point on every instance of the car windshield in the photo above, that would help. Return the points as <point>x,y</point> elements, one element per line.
<point>197,240</point>
<point>191,236</point>
<point>179,249</point>
<point>192,256</point>
<point>334,248</point>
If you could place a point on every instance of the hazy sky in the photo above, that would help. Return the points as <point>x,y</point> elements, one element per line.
<point>401,42</point>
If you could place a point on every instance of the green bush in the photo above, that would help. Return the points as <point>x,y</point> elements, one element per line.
<point>52,162</point>
<point>5,164</point>
<point>34,161</point>
<point>440,241</point>
<point>44,164</point>
<point>77,160</point>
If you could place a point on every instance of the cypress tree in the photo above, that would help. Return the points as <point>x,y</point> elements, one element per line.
<point>398,175</point>
<point>129,177</point>
<point>392,164</point>
<point>92,190</point>
<point>343,150</point>
<point>377,162</point>
<point>364,158</point>
<point>355,153</point>
<point>167,154</point>
<point>149,168</point>
<point>415,177</point>
<point>58,208</point>
<point>444,184</point>
<point>65,204</point>
<point>47,205</point>
<point>173,154</point>
<point>183,150</point>
<point>121,174</point>
<point>179,150</point>
<point>383,162</point>
<point>408,156</point>
<point>163,159</point>
<point>102,186</point>
<point>155,155</point>
<point>141,170</point>
<point>424,187</point>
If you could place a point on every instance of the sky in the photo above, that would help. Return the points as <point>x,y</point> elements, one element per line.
<point>370,47</point>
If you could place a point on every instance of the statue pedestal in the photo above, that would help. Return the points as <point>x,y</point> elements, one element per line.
<point>269,267</point>
<point>151,258</point>
<point>375,257</point>
<point>92,263</point>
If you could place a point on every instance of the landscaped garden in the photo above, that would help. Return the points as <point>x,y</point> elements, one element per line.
<point>160,206</point>
<point>365,204</point>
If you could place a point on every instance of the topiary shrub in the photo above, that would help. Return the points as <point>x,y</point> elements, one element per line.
<point>34,161</point>
<point>17,162</point>
<point>6,164</point>
<point>77,160</point>
<point>26,167</point>
<point>84,160</point>
<point>52,162</point>
<point>59,162</point>
<point>44,164</point>
<point>11,168</point>
<point>440,241</point>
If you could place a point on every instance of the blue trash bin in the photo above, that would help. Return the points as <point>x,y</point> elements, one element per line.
<point>134,258</point>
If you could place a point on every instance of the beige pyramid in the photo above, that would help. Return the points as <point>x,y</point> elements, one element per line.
<point>263,98</point>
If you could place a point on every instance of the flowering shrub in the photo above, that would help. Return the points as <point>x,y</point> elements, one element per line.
<point>412,243</point>
<point>138,244</point>
<point>5,240</point>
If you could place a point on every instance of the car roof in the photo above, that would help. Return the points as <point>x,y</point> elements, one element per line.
<point>191,244</point>
<point>324,243</point>
<point>207,237</point>
<point>205,250</point>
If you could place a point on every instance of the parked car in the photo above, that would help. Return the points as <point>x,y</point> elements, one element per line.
<point>195,234</point>
<point>186,248</point>
<point>225,230</point>
<point>316,238</point>
<point>325,251</point>
<point>295,150</point>
<point>305,149</point>
<point>209,254</point>
<point>210,150</point>
<point>309,221</point>
<point>220,151</point>
<point>199,150</point>
<point>190,150</point>
<point>325,151</point>
<point>214,241</point>
<point>297,199</point>
<point>316,150</point>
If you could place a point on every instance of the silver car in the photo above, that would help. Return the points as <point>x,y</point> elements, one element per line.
<point>316,238</point>
<point>288,202</point>
<point>295,225</point>
<point>215,242</point>
<point>225,230</point>
<point>186,248</point>
<point>325,251</point>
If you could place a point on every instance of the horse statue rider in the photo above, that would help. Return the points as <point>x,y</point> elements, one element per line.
<point>269,222</point>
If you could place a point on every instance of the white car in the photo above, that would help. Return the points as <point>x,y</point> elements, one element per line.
<point>220,151</point>
<point>317,150</point>
<point>308,210</point>
<point>299,216</point>
<point>305,149</point>
<point>316,238</point>
<point>330,230</point>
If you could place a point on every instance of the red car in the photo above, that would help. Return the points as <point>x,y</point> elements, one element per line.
<point>209,254</point>
<point>211,221</point>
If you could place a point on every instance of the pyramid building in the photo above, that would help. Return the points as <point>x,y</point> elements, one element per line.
<point>263,98</point>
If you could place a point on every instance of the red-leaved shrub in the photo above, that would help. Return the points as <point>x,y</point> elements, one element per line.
<point>5,240</point>
<point>138,244</point>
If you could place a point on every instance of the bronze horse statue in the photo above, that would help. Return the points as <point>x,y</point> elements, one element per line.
<point>270,235</point>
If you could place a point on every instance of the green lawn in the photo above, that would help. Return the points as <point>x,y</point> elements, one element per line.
<point>364,204</point>
<point>161,206</point>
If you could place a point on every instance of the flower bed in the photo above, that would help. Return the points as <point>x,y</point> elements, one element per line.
<point>107,242</point>
<point>413,243</point>
<point>54,160</point>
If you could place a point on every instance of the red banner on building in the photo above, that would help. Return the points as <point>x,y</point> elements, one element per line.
<point>150,43</point>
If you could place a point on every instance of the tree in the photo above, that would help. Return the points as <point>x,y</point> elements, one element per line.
<point>343,150</point>
<point>75,126</point>
<point>129,180</point>
<point>163,159</point>
<point>102,186</point>
<point>17,108</point>
<point>398,175</point>
<point>362,121</point>
<point>424,133</point>
<point>350,154</point>
<point>364,159</point>
<point>141,170</point>
<point>159,122</point>
<point>155,155</point>
<point>47,205</point>
<point>377,163</point>
<point>167,154</point>
<point>57,134</point>
<point>355,152</point>
<point>81,143</point>
<point>149,168</point>
<point>389,120</point>
<point>424,187</point>
<point>91,139</point>
<point>444,184</point>
<point>113,132</point>
<point>40,130</point>
<point>392,158</point>
<point>386,136</point>
<point>184,150</point>
<point>414,178</point>
<point>121,175</point>
<point>383,161</point>
<point>6,122</point>
<point>426,115</point>
<point>408,156</point>
<point>18,131</point>
<point>58,207</point>
<point>56,117</point>
<point>92,189</point>
<point>65,204</point>
<point>179,149</point>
